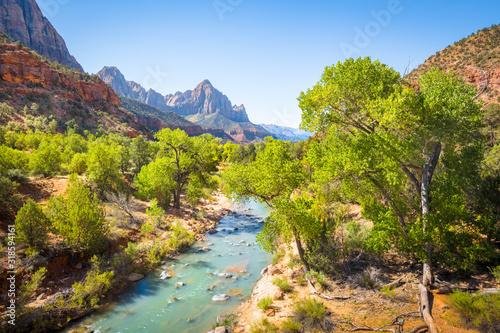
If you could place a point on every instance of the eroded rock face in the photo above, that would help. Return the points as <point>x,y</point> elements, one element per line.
<point>130,89</point>
<point>23,21</point>
<point>205,100</point>
<point>19,66</point>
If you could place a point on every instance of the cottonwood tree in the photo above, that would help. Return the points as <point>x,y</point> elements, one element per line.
<point>182,162</point>
<point>408,145</point>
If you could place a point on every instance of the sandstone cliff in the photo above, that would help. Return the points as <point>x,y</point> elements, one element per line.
<point>26,78</point>
<point>23,21</point>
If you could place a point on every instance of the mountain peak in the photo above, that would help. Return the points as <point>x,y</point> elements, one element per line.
<point>24,21</point>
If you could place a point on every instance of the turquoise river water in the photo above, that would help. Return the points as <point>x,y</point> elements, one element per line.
<point>154,305</point>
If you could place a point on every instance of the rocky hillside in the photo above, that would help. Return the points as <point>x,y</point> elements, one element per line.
<point>287,133</point>
<point>23,21</point>
<point>48,91</point>
<point>475,58</point>
<point>204,106</point>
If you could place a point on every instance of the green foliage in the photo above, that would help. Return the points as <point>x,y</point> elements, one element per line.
<point>291,326</point>
<point>278,255</point>
<point>496,272</point>
<point>29,288</point>
<point>155,181</point>
<point>78,164</point>
<point>156,215</point>
<point>180,238</point>
<point>32,225</point>
<point>88,294</point>
<point>379,135</point>
<point>282,283</point>
<point>103,165</point>
<point>265,303</point>
<point>355,236</point>
<point>6,110</point>
<point>79,218</point>
<point>190,158</point>
<point>312,315</point>
<point>388,291</point>
<point>263,326</point>
<point>480,311</point>
<point>320,278</point>
<point>141,153</point>
<point>46,160</point>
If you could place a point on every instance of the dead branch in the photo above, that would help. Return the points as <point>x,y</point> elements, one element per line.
<point>426,309</point>
<point>485,82</point>
<point>394,284</point>
<point>396,322</point>
<point>325,296</point>
<point>419,328</point>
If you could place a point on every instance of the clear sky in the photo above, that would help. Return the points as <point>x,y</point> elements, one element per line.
<point>259,53</point>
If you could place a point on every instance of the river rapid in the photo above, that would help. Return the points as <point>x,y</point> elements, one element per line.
<point>155,305</point>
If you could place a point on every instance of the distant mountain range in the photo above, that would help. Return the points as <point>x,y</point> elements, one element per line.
<point>204,106</point>
<point>23,21</point>
<point>287,133</point>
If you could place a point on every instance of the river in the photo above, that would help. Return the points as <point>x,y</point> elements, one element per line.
<point>154,305</point>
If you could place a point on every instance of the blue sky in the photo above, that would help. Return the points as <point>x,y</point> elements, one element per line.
<point>259,53</point>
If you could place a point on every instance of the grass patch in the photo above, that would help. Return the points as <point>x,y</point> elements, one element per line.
<point>313,315</point>
<point>283,284</point>
<point>263,326</point>
<point>479,311</point>
<point>265,303</point>
<point>388,292</point>
<point>277,257</point>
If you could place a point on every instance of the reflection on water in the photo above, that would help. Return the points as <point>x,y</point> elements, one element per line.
<point>155,305</point>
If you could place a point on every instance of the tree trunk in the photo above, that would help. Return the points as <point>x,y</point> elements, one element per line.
<point>300,249</point>
<point>427,173</point>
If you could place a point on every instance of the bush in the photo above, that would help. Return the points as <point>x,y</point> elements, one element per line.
<point>32,225</point>
<point>283,284</point>
<point>277,257</point>
<point>79,217</point>
<point>97,283</point>
<point>29,288</point>
<point>264,326</point>
<point>291,326</point>
<point>496,272</point>
<point>480,311</point>
<point>180,238</point>
<point>320,278</point>
<point>388,292</point>
<point>265,303</point>
<point>355,237</point>
<point>313,316</point>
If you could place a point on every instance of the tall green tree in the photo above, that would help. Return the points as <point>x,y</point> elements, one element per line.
<point>405,145</point>
<point>189,156</point>
<point>32,225</point>
<point>79,218</point>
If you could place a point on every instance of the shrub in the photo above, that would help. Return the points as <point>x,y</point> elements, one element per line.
<point>265,303</point>
<point>79,217</point>
<point>97,283</point>
<point>388,292</point>
<point>78,163</point>
<point>320,278</point>
<point>291,326</point>
<point>283,284</point>
<point>496,272</point>
<point>32,225</point>
<point>264,326</point>
<point>277,257</point>
<point>355,237</point>
<point>29,288</point>
<point>481,311</point>
<point>313,315</point>
<point>180,238</point>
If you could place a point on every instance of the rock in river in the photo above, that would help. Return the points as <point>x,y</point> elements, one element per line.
<point>164,275</point>
<point>220,298</point>
<point>133,277</point>
<point>226,275</point>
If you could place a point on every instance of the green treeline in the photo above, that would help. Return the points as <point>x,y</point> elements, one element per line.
<point>422,161</point>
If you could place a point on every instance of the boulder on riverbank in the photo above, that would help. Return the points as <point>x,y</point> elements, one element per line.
<point>134,277</point>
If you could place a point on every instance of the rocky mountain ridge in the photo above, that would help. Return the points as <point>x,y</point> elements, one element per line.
<point>26,78</point>
<point>204,106</point>
<point>23,21</point>
<point>475,58</point>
